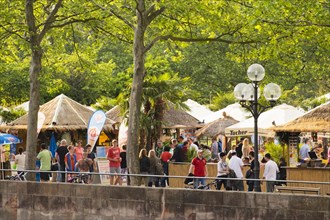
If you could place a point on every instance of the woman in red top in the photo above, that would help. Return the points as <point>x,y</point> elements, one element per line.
<point>165,157</point>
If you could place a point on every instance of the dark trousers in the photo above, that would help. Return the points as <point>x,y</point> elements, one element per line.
<point>153,180</point>
<point>250,186</point>
<point>270,186</point>
<point>62,168</point>
<point>238,185</point>
<point>164,180</point>
<point>221,182</point>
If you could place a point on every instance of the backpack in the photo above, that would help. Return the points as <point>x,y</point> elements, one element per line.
<point>159,169</point>
<point>231,182</point>
<point>249,175</point>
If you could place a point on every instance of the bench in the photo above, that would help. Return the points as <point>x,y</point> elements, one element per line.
<point>297,190</point>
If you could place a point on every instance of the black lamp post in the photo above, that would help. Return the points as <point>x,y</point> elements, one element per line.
<point>248,95</point>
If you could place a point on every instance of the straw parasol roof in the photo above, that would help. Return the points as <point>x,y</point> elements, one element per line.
<point>61,114</point>
<point>173,117</point>
<point>178,118</point>
<point>214,128</point>
<point>114,114</point>
<point>315,120</point>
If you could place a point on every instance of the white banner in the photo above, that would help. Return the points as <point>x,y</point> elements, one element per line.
<point>41,120</point>
<point>95,126</point>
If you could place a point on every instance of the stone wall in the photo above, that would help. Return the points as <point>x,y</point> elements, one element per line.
<point>31,200</point>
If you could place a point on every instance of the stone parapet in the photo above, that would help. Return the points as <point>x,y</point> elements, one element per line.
<point>32,200</point>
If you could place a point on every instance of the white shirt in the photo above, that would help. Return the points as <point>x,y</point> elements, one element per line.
<point>222,168</point>
<point>271,170</point>
<point>194,146</point>
<point>20,159</point>
<point>236,164</point>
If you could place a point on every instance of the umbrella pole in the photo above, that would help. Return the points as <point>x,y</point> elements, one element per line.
<point>1,162</point>
<point>2,173</point>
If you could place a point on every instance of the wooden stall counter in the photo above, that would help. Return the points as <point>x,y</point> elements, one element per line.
<point>315,174</point>
<point>181,169</point>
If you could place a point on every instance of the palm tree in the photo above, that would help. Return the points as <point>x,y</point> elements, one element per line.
<point>158,91</point>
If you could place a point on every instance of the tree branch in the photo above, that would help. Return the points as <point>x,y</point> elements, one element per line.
<point>50,19</point>
<point>14,33</point>
<point>75,46</point>
<point>296,23</point>
<point>30,20</point>
<point>59,19</point>
<point>115,14</point>
<point>154,14</point>
<point>72,21</point>
<point>182,39</point>
<point>119,37</point>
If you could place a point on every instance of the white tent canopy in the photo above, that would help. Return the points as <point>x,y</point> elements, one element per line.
<point>236,111</point>
<point>276,116</point>
<point>201,112</point>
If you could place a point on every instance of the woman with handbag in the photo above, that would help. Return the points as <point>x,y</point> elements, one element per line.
<point>155,169</point>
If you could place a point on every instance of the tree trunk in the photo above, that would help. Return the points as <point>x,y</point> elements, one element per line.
<point>159,115</point>
<point>142,141</point>
<point>144,132</point>
<point>136,92</point>
<point>32,135</point>
<point>149,141</point>
<point>35,68</point>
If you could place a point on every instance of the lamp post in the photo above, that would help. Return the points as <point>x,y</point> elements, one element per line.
<point>248,95</point>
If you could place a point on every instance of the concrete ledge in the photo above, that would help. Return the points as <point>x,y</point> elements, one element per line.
<point>31,200</point>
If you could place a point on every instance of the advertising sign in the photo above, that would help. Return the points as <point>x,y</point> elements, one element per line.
<point>95,126</point>
<point>103,166</point>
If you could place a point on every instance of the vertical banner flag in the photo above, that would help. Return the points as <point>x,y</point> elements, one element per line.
<point>95,126</point>
<point>122,134</point>
<point>41,120</point>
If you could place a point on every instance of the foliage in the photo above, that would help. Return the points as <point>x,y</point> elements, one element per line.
<point>93,48</point>
<point>191,154</point>
<point>222,100</point>
<point>276,151</point>
<point>93,59</point>
<point>313,102</point>
<point>11,114</point>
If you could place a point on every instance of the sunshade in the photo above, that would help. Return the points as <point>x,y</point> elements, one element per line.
<point>276,116</point>
<point>9,139</point>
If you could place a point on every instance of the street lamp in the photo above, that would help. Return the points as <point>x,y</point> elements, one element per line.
<point>248,95</point>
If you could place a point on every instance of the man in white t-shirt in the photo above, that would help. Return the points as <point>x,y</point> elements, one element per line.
<point>192,145</point>
<point>236,164</point>
<point>271,169</point>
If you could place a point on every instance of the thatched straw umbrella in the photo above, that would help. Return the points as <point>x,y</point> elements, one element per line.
<point>178,118</point>
<point>61,114</point>
<point>173,117</point>
<point>316,120</point>
<point>214,128</point>
<point>114,114</point>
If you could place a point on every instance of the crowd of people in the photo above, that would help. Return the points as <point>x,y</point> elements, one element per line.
<point>231,165</point>
<point>71,159</point>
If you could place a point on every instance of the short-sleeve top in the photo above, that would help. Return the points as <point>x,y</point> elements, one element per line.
<point>114,152</point>
<point>199,166</point>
